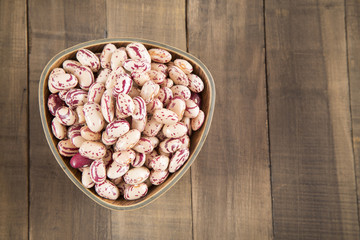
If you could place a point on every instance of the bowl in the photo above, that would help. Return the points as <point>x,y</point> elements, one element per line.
<point>197,137</point>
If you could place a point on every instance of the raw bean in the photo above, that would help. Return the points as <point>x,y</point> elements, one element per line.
<point>93,117</point>
<point>140,108</point>
<point>124,157</point>
<point>178,106</point>
<point>136,51</point>
<point>139,160</point>
<point>154,141</point>
<point>134,92</point>
<point>133,192</point>
<point>66,148</point>
<point>118,57</point>
<point>184,65</point>
<point>136,175</point>
<point>78,161</point>
<point>76,97</point>
<point>123,84</point>
<point>103,75</point>
<point>96,91</point>
<point>149,91</point>
<point>187,122</point>
<point>124,105</point>
<point>75,135</point>
<point>80,114</point>
<point>165,95</point>
<point>62,94</point>
<point>158,177</point>
<point>178,76</point>
<point>156,76</point>
<point>179,158</point>
<point>106,54</point>
<point>89,135</point>
<point>166,116</point>
<point>165,153</point>
<point>167,83</point>
<point>181,91</point>
<point>128,140</point>
<point>160,55</point>
<point>139,124</point>
<point>140,77</point>
<point>152,127</point>
<point>92,150</point>
<point>57,71</point>
<point>197,122</point>
<point>65,116</point>
<point>98,171</point>
<point>136,65</point>
<point>54,103</point>
<point>108,105</point>
<point>176,130</point>
<point>155,104</point>
<point>107,140</point>
<point>84,74</point>
<point>159,67</point>
<point>170,145</point>
<point>116,170</point>
<point>144,145</point>
<point>192,109</point>
<point>149,157</point>
<point>86,179</point>
<point>58,129</point>
<point>62,81</point>
<point>159,163</point>
<point>88,58</point>
<point>185,141</point>
<point>112,78</point>
<point>108,190</point>
<point>195,83</point>
<point>117,128</point>
<point>196,98</point>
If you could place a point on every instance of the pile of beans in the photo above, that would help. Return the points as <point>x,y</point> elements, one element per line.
<point>124,116</point>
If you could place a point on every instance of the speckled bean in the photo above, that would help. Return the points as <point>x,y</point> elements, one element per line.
<point>106,54</point>
<point>133,192</point>
<point>152,127</point>
<point>136,50</point>
<point>93,117</point>
<point>139,124</point>
<point>155,104</point>
<point>61,81</point>
<point>144,145</point>
<point>124,105</point>
<point>176,130</point>
<point>178,159</point>
<point>76,97</point>
<point>58,129</point>
<point>140,108</point>
<point>158,177</point>
<point>160,55</point>
<point>103,75</point>
<point>181,91</point>
<point>184,65</point>
<point>123,84</point>
<point>112,78</point>
<point>166,116</point>
<point>86,179</point>
<point>117,128</point>
<point>108,105</point>
<point>118,57</point>
<point>66,116</point>
<point>124,157</point>
<point>170,145</point>
<point>192,109</point>
<point>96,91</point>
<point>90,135</point>
<point>136,175</point>
<point>197,122</point>
<point>84,74</point>
<point>140,77</point>
<point>159,67</point>
<point>139,160</point>
<point>165,95</point>
<point>178,76</point>
<point>136,65</point>
<point>107,140</point>
<point>159,163</point>
<point>92,150</point>
<point>54,102</point>
<point>116,170</point>
<point>108,190</point>
<point>128,140</point>
<point>156,76</point>
<point>149,91</point>
<point>178,106</point>
<point>67,148</point>
<point>75,135</point>
<point>88,58</point>
<point>80,114</point>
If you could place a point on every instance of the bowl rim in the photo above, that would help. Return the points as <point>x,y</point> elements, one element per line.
<point>42,108</point>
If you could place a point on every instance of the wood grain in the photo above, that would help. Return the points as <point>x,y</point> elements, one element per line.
<point>313,185</point>
<point>14,121</point>
<point>169,217</point>
<point>231,177</point>
<point>58,210</point>
<point>353,43</point>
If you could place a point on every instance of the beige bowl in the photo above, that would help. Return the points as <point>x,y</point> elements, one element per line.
<point>197,138</point>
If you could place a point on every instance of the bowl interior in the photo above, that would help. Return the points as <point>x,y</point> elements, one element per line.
<point>197,138</point>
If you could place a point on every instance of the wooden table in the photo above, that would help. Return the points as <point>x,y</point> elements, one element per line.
<point>282,160</point>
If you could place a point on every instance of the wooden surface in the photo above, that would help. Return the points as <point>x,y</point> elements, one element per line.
<point>282,157</point>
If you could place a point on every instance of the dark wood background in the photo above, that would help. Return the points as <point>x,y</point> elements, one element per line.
<point>282,160</point>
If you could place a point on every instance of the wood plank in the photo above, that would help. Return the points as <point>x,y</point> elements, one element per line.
<point>231,177</point>
<point>58,209</point>
<point>353,43</point>
<point>313,185</point>
<point>14,121</point>
<point>170,216</point>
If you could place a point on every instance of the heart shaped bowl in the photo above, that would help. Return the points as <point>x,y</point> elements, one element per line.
<point>197,137</point>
